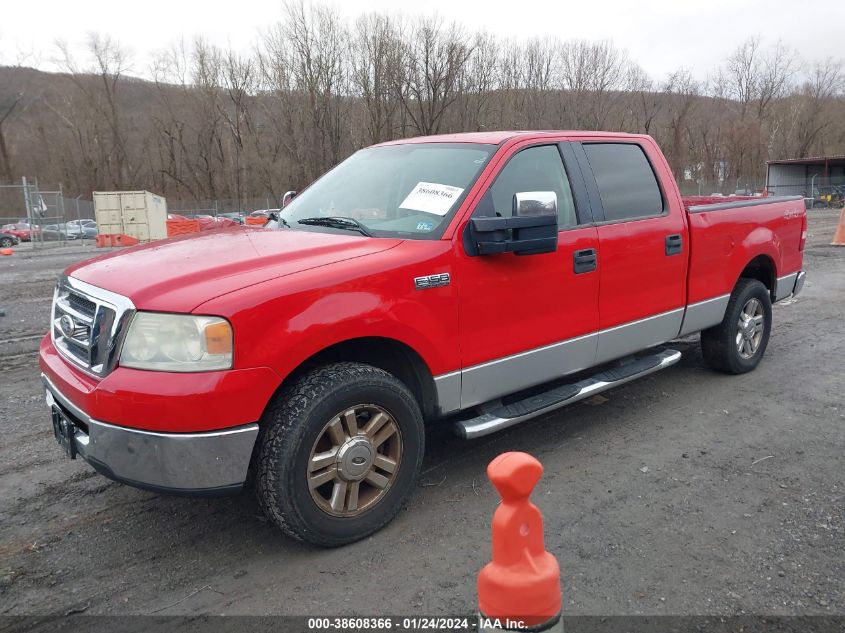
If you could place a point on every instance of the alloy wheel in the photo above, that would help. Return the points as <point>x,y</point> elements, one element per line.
<point>354,460</point>
<point>749,330</point>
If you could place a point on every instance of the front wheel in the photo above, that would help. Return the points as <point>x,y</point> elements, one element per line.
<point>6,242</point>
<point>339,453</point>
<point>738,343</point>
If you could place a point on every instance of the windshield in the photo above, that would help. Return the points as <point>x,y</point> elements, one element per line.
<point>407,191</point>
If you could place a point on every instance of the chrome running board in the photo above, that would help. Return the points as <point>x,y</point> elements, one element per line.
<point>502,416</point>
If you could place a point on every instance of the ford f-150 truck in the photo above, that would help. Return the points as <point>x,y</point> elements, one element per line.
<point>481,279</point>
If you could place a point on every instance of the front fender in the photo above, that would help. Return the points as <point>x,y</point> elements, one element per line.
<point>283,322</point>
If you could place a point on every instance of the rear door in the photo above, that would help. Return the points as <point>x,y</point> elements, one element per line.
<point>643,254</point>
<point>526,319</point>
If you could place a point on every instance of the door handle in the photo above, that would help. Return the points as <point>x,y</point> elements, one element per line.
<point>584,261</point>
<point>674,244</point>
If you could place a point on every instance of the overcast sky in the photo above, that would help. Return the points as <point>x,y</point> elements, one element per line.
<point>662,35</point>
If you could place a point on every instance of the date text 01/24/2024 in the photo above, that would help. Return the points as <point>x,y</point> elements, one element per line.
<point>405,623</point>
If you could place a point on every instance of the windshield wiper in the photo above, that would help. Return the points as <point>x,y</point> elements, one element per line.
<point>278,218</point>
<point>338,222</point>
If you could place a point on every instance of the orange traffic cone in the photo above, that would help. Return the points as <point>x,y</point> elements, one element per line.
<point>7,251</point>
<point>839,236</point>
<point>520,588</point>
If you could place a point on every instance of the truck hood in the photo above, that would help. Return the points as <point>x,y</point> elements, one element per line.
<point>178,275</point>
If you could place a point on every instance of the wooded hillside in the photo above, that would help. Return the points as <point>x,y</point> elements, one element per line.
<point>214,124</point>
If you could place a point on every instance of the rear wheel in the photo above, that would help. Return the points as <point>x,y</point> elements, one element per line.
<point>6,242</point>
<point>339,453</point>
<point>738,343</point>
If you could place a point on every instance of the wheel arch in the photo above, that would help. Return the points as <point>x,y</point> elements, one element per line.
<point>393,356</point>
<point>763,269</point>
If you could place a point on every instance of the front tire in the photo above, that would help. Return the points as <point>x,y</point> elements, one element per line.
<point>339,453</point>
<point>737,344</point>
<point>6,242</point>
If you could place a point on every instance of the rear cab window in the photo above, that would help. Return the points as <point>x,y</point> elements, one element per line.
<point>627,184</point>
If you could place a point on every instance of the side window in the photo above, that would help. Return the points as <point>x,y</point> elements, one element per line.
<point>627,185</point>
<point>535,169</point>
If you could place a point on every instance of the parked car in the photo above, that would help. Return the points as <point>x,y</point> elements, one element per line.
<point>85,225</point>
<point>206,222</point>
<point>52,233</point>
<point>263,213</point>
<point>24,231</point>
<point>78,229</point>
<point>67,231</point>
<point>235,216</point>
<point>209,222</point>
<point>499,265</point>
<point>7,240</point>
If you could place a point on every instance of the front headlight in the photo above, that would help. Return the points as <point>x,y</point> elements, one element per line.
<point>177,342</point>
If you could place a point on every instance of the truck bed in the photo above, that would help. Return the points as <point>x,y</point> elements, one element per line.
<point>724,234</point>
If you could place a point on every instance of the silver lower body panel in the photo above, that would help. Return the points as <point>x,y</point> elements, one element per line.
<point>482,383</point>
<point>493,421</point>
<point>785,286</point>
<point>799,283</point>
<point>704,314</point>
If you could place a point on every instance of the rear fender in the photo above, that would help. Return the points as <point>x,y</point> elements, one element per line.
<point>760,241</point>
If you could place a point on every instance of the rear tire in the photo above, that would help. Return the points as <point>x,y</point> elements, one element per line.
<point>738,343</point>
<point>6,242</point>
<point>339,453</point>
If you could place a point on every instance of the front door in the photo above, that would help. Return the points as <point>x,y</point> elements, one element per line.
<point>526,319</point>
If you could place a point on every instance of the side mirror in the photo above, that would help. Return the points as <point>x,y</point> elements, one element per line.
<point>289,195</point>
<point>534,203</point>
<point>531,231</point>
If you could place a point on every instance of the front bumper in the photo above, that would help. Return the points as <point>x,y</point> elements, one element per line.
<point>208,463</point>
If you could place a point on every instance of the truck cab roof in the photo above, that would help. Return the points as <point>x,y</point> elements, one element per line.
<point>499,137</point>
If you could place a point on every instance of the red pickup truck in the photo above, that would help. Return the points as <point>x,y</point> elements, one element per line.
<point>482,279</point>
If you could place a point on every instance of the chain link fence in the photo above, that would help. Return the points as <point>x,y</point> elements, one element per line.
<point>734,187</point>
<point>42,217</point>
<point>243,206</point>
<point>819,193</point>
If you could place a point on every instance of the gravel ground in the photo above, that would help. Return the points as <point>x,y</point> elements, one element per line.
<point>687,492</point>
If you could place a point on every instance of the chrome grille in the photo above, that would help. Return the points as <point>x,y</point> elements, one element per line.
<point>82,304</point>
<point>87,325</point>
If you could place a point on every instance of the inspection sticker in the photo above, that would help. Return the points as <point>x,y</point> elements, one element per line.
<point>430,197</point>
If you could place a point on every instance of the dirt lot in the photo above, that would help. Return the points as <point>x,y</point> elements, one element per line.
<point>687,492</point>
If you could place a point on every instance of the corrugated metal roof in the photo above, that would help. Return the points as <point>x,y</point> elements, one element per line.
<point>839,158</point>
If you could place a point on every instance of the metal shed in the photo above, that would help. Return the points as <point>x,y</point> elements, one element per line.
<point>139,214</point>
<point>820,179</point>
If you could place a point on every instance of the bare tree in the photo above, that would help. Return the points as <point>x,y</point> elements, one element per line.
<point>94,113</point>
<point>6,110</point>
<point>813,109</point>
<point>757,77</point>
<point>374,73</point>
<point>433,58</point>
<point>647,101</point>
<point>591,75</point>
<point>681,91</point>
<point>214,123</point>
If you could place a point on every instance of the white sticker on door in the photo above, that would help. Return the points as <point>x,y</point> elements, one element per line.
<point>430,197</point>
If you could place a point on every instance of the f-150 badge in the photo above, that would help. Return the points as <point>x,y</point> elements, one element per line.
<point>431,281</point>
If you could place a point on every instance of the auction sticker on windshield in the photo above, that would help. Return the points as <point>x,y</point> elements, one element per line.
<point>430,197</point>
